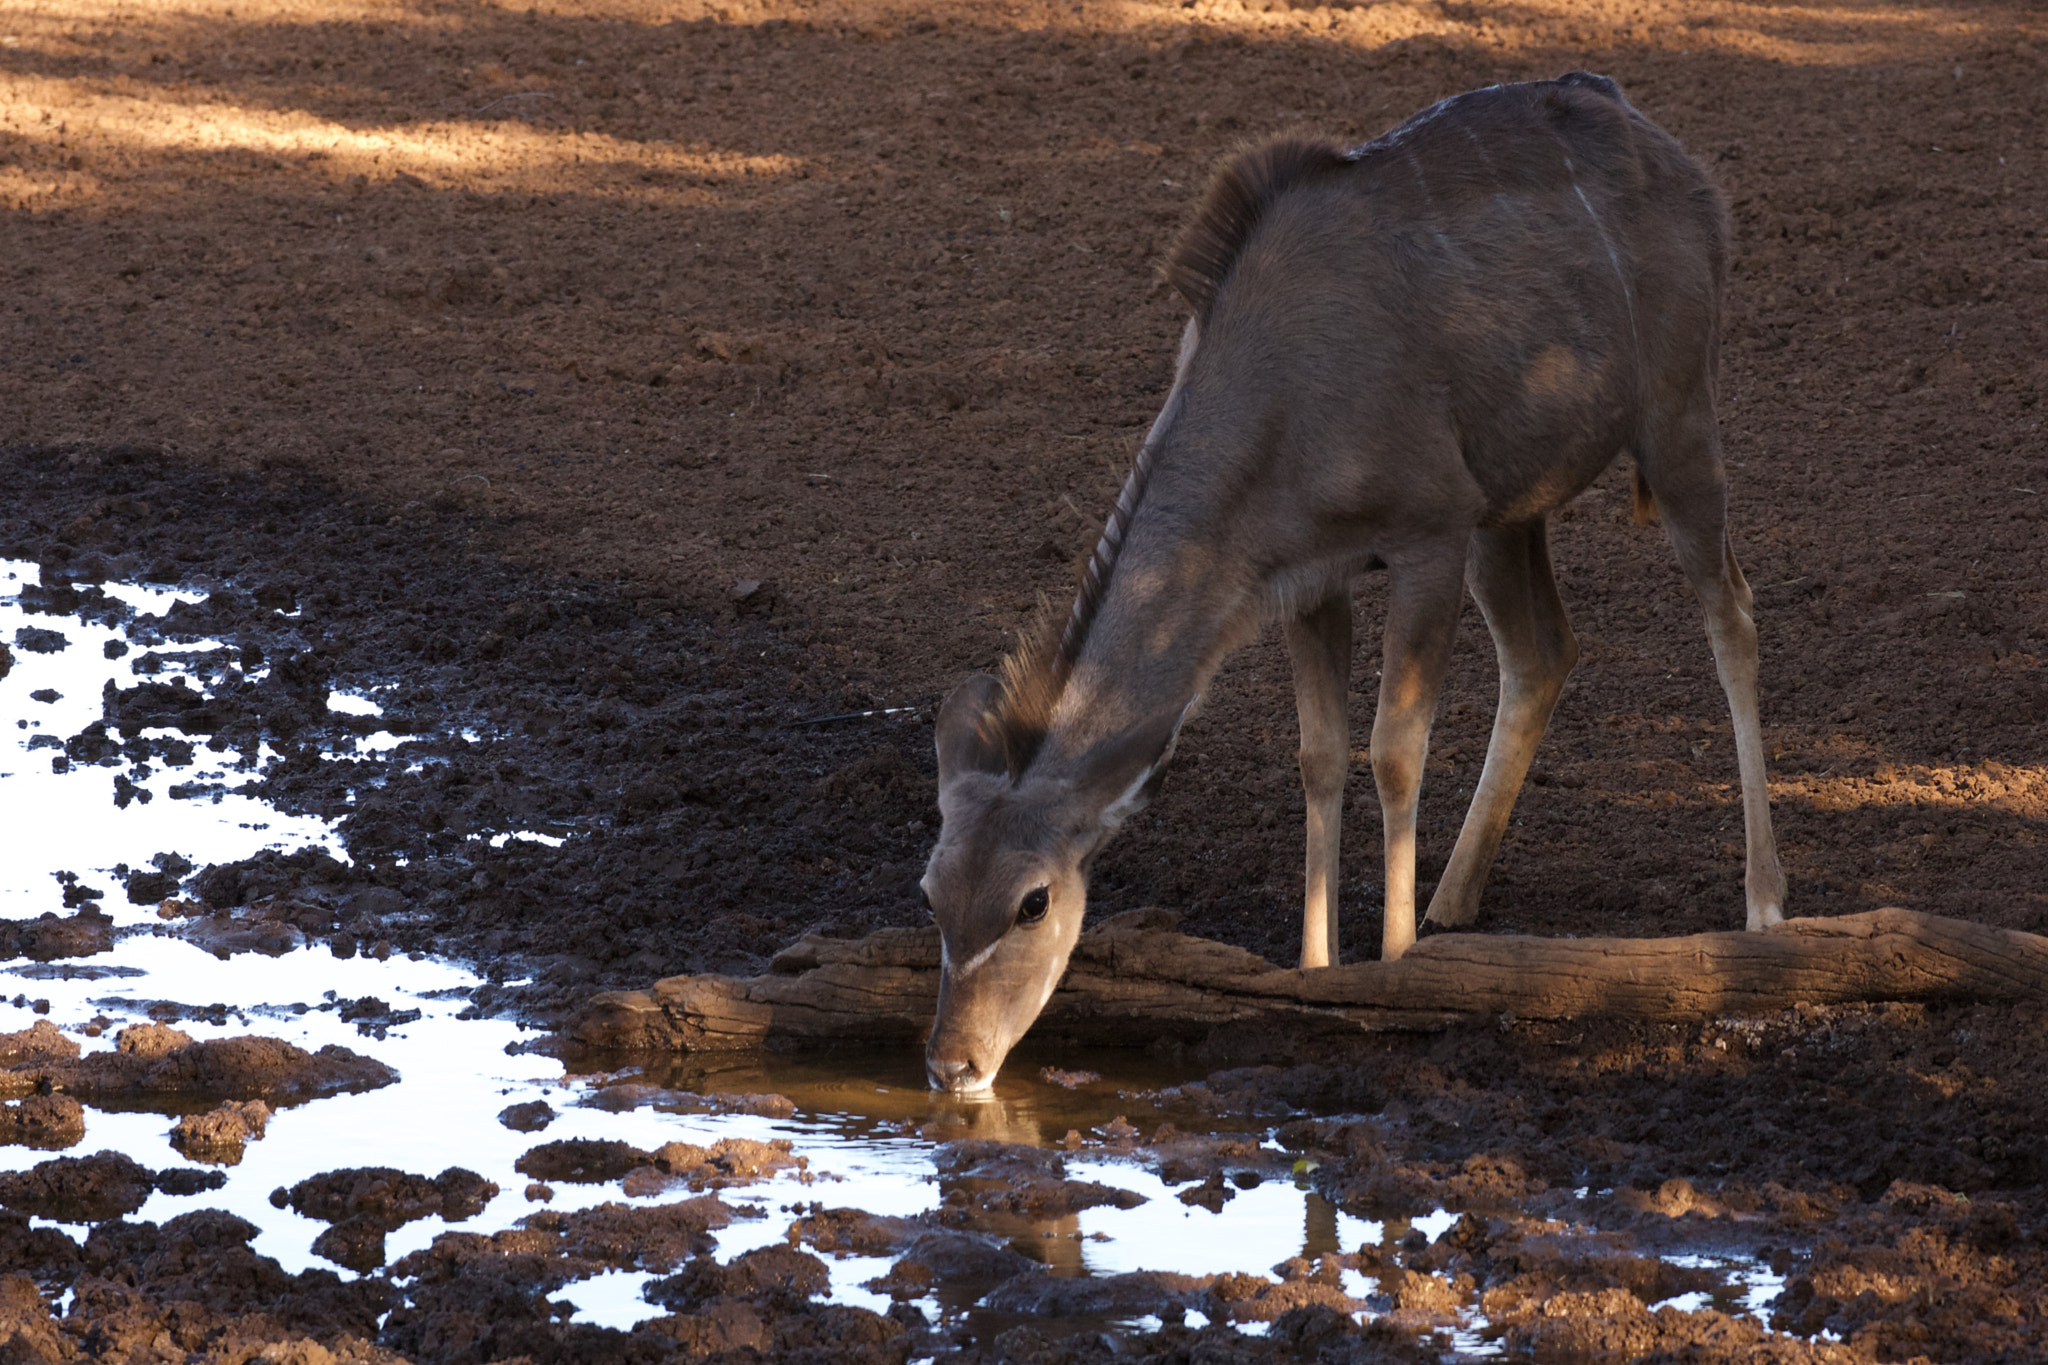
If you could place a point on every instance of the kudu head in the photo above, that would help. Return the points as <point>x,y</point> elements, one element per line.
<point>1008,881</point>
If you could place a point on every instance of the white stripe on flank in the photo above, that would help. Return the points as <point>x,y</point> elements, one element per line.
<point>1614,256</point>
<point>1479,147</point>
<point>1436,215</point>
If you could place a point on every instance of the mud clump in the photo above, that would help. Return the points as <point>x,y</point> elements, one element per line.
<point>855,1231</point>
<point>1613,1324</point>
<point>29,1335</point>
<point>1926,1272</point>
<point>455,1194</point>
<point>775,1274</point>
<point>357,1243</point>
<point>82,1189</point>
<point>46,1252</point>
<point>1254,1298</point>
<point>194,1287</point>
<point>1212,1194</point>
<point>1243,1161</point>
<point>371,1015</point>
<point>224,935</point>
<point>42,1121</point>
<point>185,1180</point>
<point>730,1161</point>
<point>582,1161</point>
<point>1314,1332</point>
<point>954,1258</point>
<point>998,1177</point>
<point>625,1096</point>
<point>478,1298</point>
<point>1052,1296</point>
<point>500,1311</point>
<point>220,1134</point>
<point>40,1041</point>
<point>150,1041</point>
<point>1221,1165</point>
<point>156,1060</point>
<point>530,1117</point>
<point>365,1203</point>
<point>814,1332</point>
<point>625,1237</point>
<point>49,937</point>
<point>1067,1080</point>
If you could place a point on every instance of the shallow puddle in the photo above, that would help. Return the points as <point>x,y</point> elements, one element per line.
<point>866,1132</point>
<point>64,814</point>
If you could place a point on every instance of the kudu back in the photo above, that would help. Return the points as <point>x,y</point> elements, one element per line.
<point>1398,357</point>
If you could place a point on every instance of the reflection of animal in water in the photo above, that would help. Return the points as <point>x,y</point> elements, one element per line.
<point>1400,357</point>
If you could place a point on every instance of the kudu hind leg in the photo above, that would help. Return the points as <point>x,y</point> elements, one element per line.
<point>1691,497</point>
<point>1319,642</point>
<point>1423,597</point>
<point>1510,576</point>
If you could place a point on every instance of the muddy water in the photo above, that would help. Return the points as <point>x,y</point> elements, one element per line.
<point>865,1132</point>
<point>62,816</point>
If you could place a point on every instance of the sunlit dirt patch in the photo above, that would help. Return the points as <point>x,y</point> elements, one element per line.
<point>102,144</point>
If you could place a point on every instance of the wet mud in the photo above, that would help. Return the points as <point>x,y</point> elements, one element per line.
<point>42,1121</point>
<point>50,936</point>
<point>363,1205</point>
<point>559,553</point>
<point>152,1060</point>
<point>220,1134</point>
<point>1567,1231</point>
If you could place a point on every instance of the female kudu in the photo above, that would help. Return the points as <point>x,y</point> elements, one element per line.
<point>1404,357</point>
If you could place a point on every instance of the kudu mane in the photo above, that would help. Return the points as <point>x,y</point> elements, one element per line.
<point>1237,200</point>
<point>1036,672</point>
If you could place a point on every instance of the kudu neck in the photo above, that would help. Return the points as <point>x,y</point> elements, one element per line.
<point>1163,630</point>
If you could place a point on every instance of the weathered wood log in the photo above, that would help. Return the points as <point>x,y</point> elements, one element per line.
<point>1134,980</point>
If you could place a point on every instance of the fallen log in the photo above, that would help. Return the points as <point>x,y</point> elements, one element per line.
<point>1134,981</point>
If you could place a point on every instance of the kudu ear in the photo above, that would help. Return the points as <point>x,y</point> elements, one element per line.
<point>1122,774</point>
<point>963,746</point>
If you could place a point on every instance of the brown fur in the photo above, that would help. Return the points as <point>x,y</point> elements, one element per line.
<point>1646,505</point>
<point>1237,199</point>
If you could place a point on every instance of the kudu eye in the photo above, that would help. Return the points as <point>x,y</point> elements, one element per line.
<point>1032,908</point>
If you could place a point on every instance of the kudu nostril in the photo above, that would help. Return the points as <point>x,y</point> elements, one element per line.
<point>949,1075</point>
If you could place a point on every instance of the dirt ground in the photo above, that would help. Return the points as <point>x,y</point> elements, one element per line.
<point>511,344</point>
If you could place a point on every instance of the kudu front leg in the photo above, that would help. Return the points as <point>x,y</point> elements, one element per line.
<point>1319,642</point>
<point>1423,596</point>
<point>1510,576</point>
